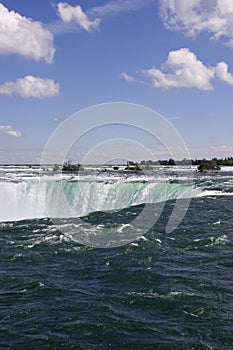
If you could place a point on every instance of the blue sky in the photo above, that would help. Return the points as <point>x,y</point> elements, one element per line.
<point>174,56</point>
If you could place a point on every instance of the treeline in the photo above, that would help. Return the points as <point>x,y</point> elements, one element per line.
<point>170,162</point>
<point>221,162</point>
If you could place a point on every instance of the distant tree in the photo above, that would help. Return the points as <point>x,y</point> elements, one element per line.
<point>68,166</point>
<point>171,162</point>
<point>208,165</point>
<point>56,167</point>
<point>227,161</point>
<point>135,167</point>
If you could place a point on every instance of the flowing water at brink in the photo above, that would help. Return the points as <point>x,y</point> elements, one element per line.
<point>162,291</point>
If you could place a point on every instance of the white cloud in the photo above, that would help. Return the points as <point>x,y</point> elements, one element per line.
<point>70,13</point>
<point>194,16</point>
<point>127,77</point>
<point>30,86</point>
<point>223,74</point>
<point>184,69</point>
<point>23,36</point>
<point>91,19</point>
<point>116,7</point>
<point>8,130</point>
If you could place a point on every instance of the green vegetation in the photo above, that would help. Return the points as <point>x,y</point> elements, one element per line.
<point>170,162</point>
<point>56,167</point>
<point>203,165</point>
<point>68,166</point>
<point>131,166</point>
<point>221,162</point>
<point>214,163</point>
<point>208,165</point>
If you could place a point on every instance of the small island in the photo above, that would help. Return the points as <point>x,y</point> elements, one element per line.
<point>208,165</point>
<point>132,166</point>
<point>68,166</point>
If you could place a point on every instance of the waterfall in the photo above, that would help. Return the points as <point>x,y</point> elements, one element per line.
<point>57,199</point>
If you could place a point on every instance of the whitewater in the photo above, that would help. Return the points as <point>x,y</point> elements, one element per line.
<point>87,261</point>
<point>33,192</point>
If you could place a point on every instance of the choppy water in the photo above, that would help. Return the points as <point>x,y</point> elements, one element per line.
<point>162,291</point>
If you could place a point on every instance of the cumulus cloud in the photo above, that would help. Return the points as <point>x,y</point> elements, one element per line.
<point>23,36</point>
<point>194,16</point>
<point>223,74</point>
<point>8,130</point>
<point>30,86</point>
<point>184,69</point>
<point>70,13</point>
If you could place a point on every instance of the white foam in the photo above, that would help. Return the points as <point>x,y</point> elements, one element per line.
<point>78,194</point>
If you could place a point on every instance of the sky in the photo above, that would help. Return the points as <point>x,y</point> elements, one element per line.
<point>172,56</point>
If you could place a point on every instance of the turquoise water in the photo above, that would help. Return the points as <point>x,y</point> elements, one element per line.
<point>162,291</point>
